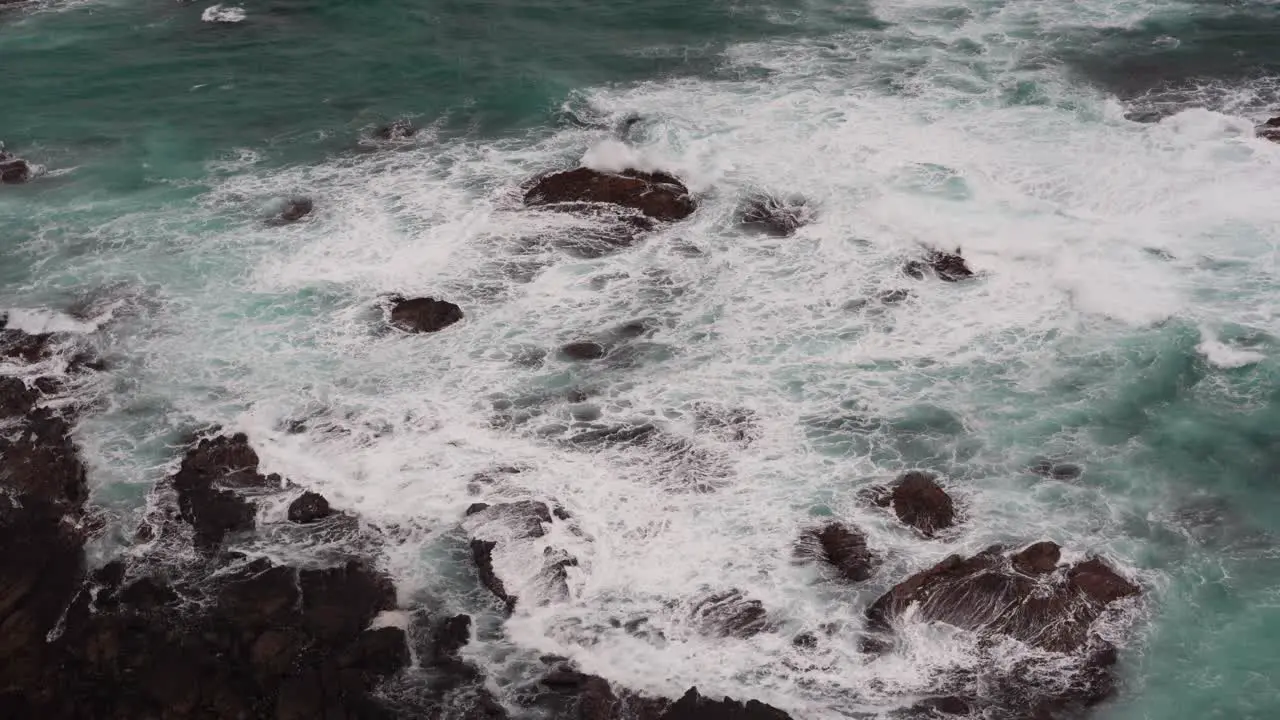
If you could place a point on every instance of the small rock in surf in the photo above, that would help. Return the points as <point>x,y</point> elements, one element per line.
<point>657,195</point>
<point>950,267</point>
<point>842,547</point>
<point>309,508</point>
<point>396,130</point>
<point>1270,130</point>
<point>779,217</point>
<point>420,315</point>
<point>294,210</point>
<point>919,502</point>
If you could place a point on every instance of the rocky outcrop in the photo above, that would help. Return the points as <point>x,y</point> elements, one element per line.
<point>950,267</point>
<point>422,315</point>
<point>779,217</point>
<point>842,547</point>
<point>693,706</point>
<point>656,195</point>
<point>1024,595</point>
<point>211,485</point>
<point>730,614</point>
<point>919,502</point>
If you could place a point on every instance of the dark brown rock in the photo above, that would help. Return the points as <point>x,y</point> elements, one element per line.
<point>208,485</point>
<point>842,547</point>
<point>1270,130</point>
<point>13,170</point>
<point>424,314</point>
<point>308,508</point>
<point>779,217</point>
<point>656,195</point>
<point>950,267</point>
<point>991,593</point>
<point>505,523</point>
<point>919,502</point>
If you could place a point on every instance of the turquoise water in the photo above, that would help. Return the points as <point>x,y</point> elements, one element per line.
<point>1096,161</point>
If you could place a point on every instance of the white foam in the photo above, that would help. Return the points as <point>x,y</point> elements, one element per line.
<point>1222,355</point>
<point>220,13</point>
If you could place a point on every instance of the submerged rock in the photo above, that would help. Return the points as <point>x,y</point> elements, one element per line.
<point>584,351</point>
<point>294,210</point>
<point>919,502</point>
<point>731,614</point>
<point>950,267</point>
<point>779,217</point>
<point>656,195</point>
<point>509,561</point>
<point>842,547</point>
<point>396,130</point>
<point>423,314</point>
<point>1023,595</point>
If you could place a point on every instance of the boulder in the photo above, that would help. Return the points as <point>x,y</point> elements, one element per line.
<point>779,217</point>
<point>950,267</point>
<point>308,508</point>
<point>842,547</point>
<point>656,195</point>
<point>1023,595</point>
<point>919,502</point>
<point>423,314</point>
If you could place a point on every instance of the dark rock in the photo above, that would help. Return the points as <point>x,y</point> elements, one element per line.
<point>482,555</point>
<point>842,547</point>
<point>946,266</point>
<point>396,130</point>
<point>935,706</point>
<point>920,502</point>
<point>13,170</point>
<point>584,351</point>
<point>208,482</point>
<point>295,210</point>
<point>693,706</point>
<point>736,425</point>
<point>731,614</point>
<point>893,297</point>
<point>474,508</point>
<point>1270,130</point>
<point>615,435</point>
<point>27,348</point>
<point>308,508</point>
<point>337,603</point>
<point>499,527</point>
<point>451,636</point>
<point>991,593</point>
<point>1038,558</point>
<point>779,217</point>
<point>657,195</point>
<point>424,314</point>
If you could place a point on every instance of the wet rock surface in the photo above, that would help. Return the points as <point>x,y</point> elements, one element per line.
<point>423,315</point>
<point>211,486</point>
<point>918,501</point>
<point>1270,130</point>
<point>13,169</point>
<point>510,560</point>
<point>396,130</point>
<point>294,210</point>
<point>842,547</point>
<point>731,614</point>
<point>656,195</point>
<point>308,508</point>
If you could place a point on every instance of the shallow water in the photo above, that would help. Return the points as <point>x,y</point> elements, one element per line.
<point>1123,320</point>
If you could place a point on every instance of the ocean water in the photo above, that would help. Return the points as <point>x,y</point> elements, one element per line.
<point>1095,160</point>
